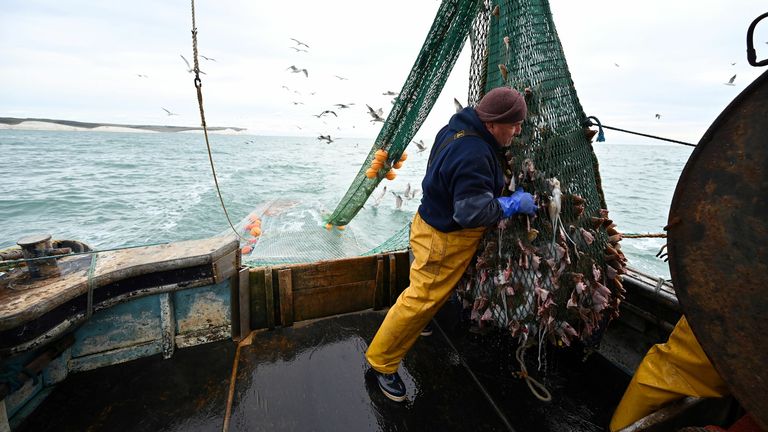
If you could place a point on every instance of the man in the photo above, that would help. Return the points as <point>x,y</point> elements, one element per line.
<point>461,197</point>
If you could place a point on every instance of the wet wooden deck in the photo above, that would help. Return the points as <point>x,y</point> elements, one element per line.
<point>312,377</point>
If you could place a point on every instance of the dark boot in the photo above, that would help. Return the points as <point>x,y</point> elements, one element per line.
<point>391,385</point>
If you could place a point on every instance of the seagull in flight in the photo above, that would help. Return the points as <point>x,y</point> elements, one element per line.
<point>341,78</point>
<point>398,200</point>
<point>378,199</point>
<point>658,116</point>
<point>189,68</point>
<point>142,76</point>
<point>390,93</point>
<point>208,58</point>
<point>376,115</point>
<point>299,43</point>
<point>420,144</point>
<point>326,138</point>
<point>294,69</point>
<point>343,106</point>
<point>298,49</point>
<point>168,112</point>
<point>730,81</point>
<point>326,112</point>
<point>616,64</point>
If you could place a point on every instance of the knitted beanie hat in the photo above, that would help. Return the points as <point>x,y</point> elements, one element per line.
<point>502,105</point>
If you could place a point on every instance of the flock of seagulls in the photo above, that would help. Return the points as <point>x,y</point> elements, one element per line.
<point>400,198</point>
<point>376,115</point>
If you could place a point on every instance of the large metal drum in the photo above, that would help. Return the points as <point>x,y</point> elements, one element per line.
<point>718,245</point>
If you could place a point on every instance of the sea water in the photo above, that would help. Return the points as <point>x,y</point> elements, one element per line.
<point>112,189</point>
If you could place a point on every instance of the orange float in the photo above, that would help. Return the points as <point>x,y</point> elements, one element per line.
<point>391,174</point>
<point>255,231</point>
<point>381,155</point>
<point>246,250</point>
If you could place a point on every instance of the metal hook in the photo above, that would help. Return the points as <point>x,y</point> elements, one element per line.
<point>751,55</point>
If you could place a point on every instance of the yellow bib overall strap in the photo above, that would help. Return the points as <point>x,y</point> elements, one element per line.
<point>440,260</point>
<point>668,372</point>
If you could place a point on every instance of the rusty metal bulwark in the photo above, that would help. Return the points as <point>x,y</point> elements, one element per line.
<point>718,245</point>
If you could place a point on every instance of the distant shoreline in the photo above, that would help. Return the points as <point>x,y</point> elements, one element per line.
<point>70,125</point>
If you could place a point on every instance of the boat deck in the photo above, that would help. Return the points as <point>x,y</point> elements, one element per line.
<point>312,376</point>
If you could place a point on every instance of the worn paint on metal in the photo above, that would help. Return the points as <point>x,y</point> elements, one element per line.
<point>121,326</point>
<point>115,356</point>
<point>58,369</point>
<point>203,336</point>
<point>16,400</point>
<point>29,407</point>
<point>202,308</point>
<point>168,324</point>
<point>718,245</point>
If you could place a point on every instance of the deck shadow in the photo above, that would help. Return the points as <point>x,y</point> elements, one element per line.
<point>187,392</point>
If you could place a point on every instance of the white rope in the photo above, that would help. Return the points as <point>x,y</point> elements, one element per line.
<point>538,389</point>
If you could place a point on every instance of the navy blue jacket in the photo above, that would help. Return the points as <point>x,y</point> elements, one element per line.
<point>462,181</point>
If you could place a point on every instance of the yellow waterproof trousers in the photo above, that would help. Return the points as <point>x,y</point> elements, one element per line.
<point>440,260</point>
<point>668,372</point>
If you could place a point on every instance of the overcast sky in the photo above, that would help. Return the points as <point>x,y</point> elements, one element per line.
<point>81,60</point>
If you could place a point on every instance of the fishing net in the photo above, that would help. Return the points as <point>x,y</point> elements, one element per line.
<point>286,232</point>
<point>399,241</point>
<point>556,275</point>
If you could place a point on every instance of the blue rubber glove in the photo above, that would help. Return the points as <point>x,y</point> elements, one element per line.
<point>519,202</point>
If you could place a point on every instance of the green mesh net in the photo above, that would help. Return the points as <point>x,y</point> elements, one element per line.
<point>399,241</point>
<point>422,87</point>
<point>555,276</point>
